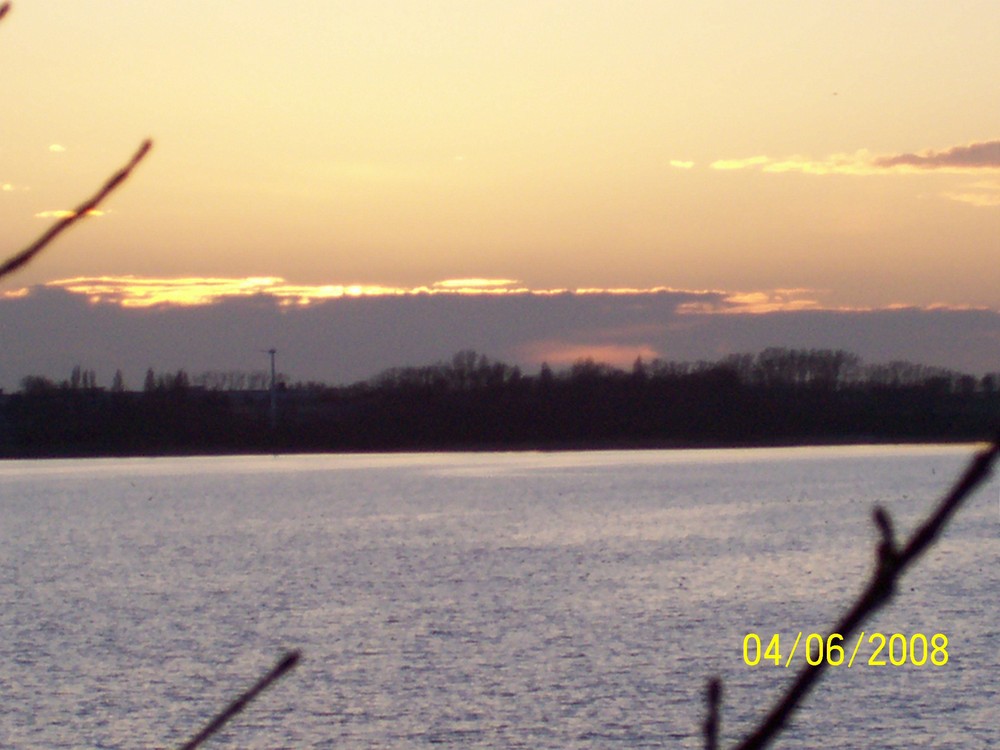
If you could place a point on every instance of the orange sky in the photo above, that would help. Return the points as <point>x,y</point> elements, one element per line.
<point>850,150</point>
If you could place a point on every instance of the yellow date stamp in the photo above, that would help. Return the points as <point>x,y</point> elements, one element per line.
<point>895,649</point>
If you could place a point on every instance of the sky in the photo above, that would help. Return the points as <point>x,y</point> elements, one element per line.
<point>786,158</point>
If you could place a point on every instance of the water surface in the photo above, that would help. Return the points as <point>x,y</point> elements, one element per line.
<point>514,600</point>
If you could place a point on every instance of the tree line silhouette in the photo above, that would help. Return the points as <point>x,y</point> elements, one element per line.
<point>778,396</point>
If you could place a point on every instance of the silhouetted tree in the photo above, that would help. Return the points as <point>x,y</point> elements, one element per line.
<point>33,385</point>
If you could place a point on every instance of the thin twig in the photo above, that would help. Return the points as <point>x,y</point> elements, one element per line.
<point>890,567</point>
<point>4,9</point>
<point>287,662</point>
<point>23,257</point>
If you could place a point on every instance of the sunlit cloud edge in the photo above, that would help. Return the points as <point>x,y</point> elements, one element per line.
<point>191,291</point>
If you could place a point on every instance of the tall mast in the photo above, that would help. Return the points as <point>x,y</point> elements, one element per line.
<point>274,391</point>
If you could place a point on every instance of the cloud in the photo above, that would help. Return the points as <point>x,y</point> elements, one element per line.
<point>55,148</point>
<point>64,214</point>
<point>975,156</point>
<point>983,194</point>
<point>135,291</point>
<point>756,302</point>
<point>200,291</point>
<point>678,164</point>
<point>980,200</point>
<point>733,164</point>
<point>478,284</point>
<point>858,163</point>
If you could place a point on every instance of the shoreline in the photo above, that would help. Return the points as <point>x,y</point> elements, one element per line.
<point>564,446</point>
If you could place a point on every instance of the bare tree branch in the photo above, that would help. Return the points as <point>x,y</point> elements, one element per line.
<point>891,564</point>
<point>25,256</point>
<point>714,697</point>
<point>4,9</point>
<point>287,662</point>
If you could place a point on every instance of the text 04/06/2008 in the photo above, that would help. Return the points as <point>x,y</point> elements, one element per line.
<point>895,650</point>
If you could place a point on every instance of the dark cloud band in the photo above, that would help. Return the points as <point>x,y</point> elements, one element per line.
<point>49,330</point>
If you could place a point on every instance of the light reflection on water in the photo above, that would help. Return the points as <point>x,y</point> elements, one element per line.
<point>571,600</point>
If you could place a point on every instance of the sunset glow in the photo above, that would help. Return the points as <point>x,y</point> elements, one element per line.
<point>561,354</point>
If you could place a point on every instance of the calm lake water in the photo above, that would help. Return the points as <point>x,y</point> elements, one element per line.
<point>514,600</point>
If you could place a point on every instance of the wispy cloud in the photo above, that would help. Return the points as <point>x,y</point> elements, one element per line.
<point>858,163</point>
<point>975,156</point>
<point>680,164</point>
<point>56,148</point>
<point>732,164</point>
<point>979,200</point>
<point>983,194</point>
<point>972,158</point>
<point>480,284</point>
<point>64,214</point>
